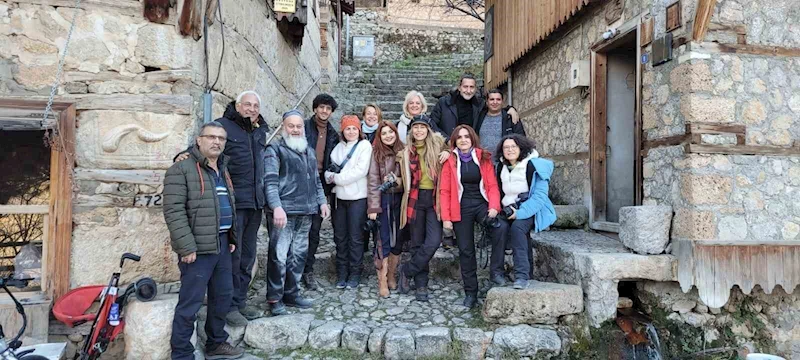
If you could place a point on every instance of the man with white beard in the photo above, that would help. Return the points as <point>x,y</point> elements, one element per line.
<point>290,176</point>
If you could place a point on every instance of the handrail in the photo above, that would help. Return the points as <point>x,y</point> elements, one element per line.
<point>278,128</point>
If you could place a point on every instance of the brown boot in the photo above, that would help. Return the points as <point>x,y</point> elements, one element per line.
<point>391,275</point>
<point>383,289</point>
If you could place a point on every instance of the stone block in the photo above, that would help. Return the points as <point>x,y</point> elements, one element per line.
<point>111,139</point>
<point>399,345</point>
<point>645,229</point>
<point>706,189</point>
<point>525,341</point>
<point>539,303</point>
<point>696,108</point>
<point>694,225</point>
<point>327,336</point>
<point>474,342</point>
<point>691,77</point>
<point>148,327</point>
<point>376,339</point>
<point>571,216</point>
<point>96,248</point>
<point>432,342</point>
<point>161,46</point>
<point>355,337</point>
<point>279,332</point>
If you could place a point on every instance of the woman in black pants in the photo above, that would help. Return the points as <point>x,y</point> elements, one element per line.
<point>524,181</point>
<point>351,157</point>
<point>469,195</point>
<point>420,165</point>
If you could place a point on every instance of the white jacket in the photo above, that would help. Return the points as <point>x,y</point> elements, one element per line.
<point>351,182</point>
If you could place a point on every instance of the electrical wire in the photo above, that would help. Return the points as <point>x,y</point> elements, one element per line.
<point>205,48</point>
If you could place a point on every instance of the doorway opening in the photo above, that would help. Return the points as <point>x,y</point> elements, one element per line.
<point>615,129</point>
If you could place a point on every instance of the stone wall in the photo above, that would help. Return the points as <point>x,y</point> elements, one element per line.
<point>421,12</point>
<point>397,41</point>
<point>138,88</point>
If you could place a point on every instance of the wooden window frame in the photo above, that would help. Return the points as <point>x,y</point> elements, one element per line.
<point>58,220</point>
<point>598,124</point>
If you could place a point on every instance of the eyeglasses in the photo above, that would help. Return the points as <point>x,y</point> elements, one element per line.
<point>221,139</point>
<point>510,147</point>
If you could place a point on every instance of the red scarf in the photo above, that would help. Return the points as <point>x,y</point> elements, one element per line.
<point>416,177</point>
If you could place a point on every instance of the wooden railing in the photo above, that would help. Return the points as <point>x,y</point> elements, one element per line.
<point>43,210</point>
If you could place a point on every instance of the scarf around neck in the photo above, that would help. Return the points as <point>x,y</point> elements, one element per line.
<point>366,129</point>
<point>405,120</point>
<point>465,157</point>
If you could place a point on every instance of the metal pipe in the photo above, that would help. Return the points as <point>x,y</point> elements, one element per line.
<point>278,128</point>
<point>347,37</point>
<point>510,86</point>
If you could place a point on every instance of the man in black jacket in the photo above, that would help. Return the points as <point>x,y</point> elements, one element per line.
<point>494,122</point>
<point>322,138</point>
<point>247,140</point>
<point>462,106</point>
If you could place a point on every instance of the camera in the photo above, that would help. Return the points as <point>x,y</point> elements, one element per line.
<point>334,168</point>
<point>509,210</point>
<point>371,225</point>
<point>490,222</point>
<point>389,184</point>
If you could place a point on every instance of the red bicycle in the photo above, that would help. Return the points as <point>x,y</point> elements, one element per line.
<point>108,322</point>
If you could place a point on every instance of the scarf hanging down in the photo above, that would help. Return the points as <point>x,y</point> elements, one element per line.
<point>465,157</point>
<point>416,177</point>
<point>366,129</point>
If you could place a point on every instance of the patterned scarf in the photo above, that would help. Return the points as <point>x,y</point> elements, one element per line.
<point>416,177</point>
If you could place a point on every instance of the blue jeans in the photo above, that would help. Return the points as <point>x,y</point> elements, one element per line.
<point>212,272</point>
<point>288,248</point>
<point>516,233</point>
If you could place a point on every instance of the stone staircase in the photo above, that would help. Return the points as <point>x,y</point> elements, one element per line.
<point>387,84</point>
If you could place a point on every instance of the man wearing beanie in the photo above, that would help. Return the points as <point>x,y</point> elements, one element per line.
<point>294,194</point>
<point>322,138</point>
<point>350,161</point>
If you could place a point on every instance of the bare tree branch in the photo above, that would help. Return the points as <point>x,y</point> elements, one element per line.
<point>468,7</point>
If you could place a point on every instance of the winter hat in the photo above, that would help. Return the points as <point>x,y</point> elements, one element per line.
<point>421,119</point>
<point>292,112</point>
<point>350,120</point>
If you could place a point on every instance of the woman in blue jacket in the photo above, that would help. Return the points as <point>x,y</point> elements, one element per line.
<point>524,181</point>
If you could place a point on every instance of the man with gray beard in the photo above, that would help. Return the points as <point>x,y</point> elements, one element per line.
<point>294,193</point>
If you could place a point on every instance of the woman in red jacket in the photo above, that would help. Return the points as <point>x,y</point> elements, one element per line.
<point>469,194</point>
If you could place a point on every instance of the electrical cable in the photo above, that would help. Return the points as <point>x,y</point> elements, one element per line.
<point>222,34</point>
<point>205,48</point>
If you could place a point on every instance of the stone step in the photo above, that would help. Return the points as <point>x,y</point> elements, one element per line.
<point>538,303</point>
<point>395,81</point>
<point>597,263</point>
<point>399,91</point>
<point>571,216</point>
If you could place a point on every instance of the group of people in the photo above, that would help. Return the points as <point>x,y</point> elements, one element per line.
<point>401,184</point>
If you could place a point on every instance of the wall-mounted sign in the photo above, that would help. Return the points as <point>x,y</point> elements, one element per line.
<point>488,33</point>
<point>287,6</point>
<point>645,58</point>
<point>154,200</point>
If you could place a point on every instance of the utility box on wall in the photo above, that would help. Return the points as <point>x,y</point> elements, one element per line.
<point>364,48</point>
<point>579,74</point>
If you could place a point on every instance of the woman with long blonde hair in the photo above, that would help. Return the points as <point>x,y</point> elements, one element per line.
<point>420,164</point>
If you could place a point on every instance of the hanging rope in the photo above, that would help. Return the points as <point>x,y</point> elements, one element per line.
<point>57,81</point>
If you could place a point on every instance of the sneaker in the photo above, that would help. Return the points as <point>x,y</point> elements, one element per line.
<point>341,284</point>
<point>499,280</point>
<point>520,284</point>
<point>422,294</point>
<point>298,302</point>
<point>224,351</point>
<point>352,283</point>
<point>235,318</point>
<point>277,308</point>
<point>251,312</point>
<point>470,301</point>
<point>310,282</point>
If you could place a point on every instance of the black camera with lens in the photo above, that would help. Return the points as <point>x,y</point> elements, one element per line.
<point>509,210</point>
<point>389,184</point>
<point>490,222</point>
<point>334,168</point>
<point>371,225</point>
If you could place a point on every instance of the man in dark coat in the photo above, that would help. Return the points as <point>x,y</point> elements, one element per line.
<point>322,138</point>
<point>247,140</point>
<point>462,106</point>
<point>201,217</point>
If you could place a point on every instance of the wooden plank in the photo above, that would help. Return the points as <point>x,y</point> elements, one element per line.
<point>17,124</point>
<point>663,142</point>
<point>647,29</point>
<point>62,158</point>
<point>29,102</point>
<point>189,22</point>
<point>24,209</point>
<point>742,150</point>
<point>708,128</point>
<point>597,142</point>
<point>758,266</point>
<point>155,103</point>
<point>702,18</point>
<point>774,268</point>
<point>123,7</point>
<point>684,251</point>
<point>45,245</point>
<point>746,49</point>
<point>605,226</point>
<point>674,16</point>
<point>147,177</point>
<point>704,275</point>
<point>638,126</point>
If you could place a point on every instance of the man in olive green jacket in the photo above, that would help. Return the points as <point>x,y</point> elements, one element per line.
<point>199,211</point>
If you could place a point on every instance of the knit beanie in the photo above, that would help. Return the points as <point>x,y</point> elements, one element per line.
<point>350,120</point>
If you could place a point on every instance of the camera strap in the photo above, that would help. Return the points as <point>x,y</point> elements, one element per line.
<point>350,154</point>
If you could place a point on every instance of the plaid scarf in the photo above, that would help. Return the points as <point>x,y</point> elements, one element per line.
<point>416,177</point>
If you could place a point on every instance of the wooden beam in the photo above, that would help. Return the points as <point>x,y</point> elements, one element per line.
<point>598,133</point>
<point>24,209</point>
<point>17,124</point>
<point>605,226</point>
<point>28,103</point>
<point>146,177</point>
<point>155,103</point>
<point>766,150</point>
<point>745,49</point>
<point>710,128</point>
<point>667,141</point>
<point>702,17</point>
<point>62,159</point>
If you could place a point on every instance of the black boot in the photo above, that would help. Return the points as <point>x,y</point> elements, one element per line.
<point>422,294</point>
<point>341,278</point>
<point>470,301</point>
<point>403,281</point>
